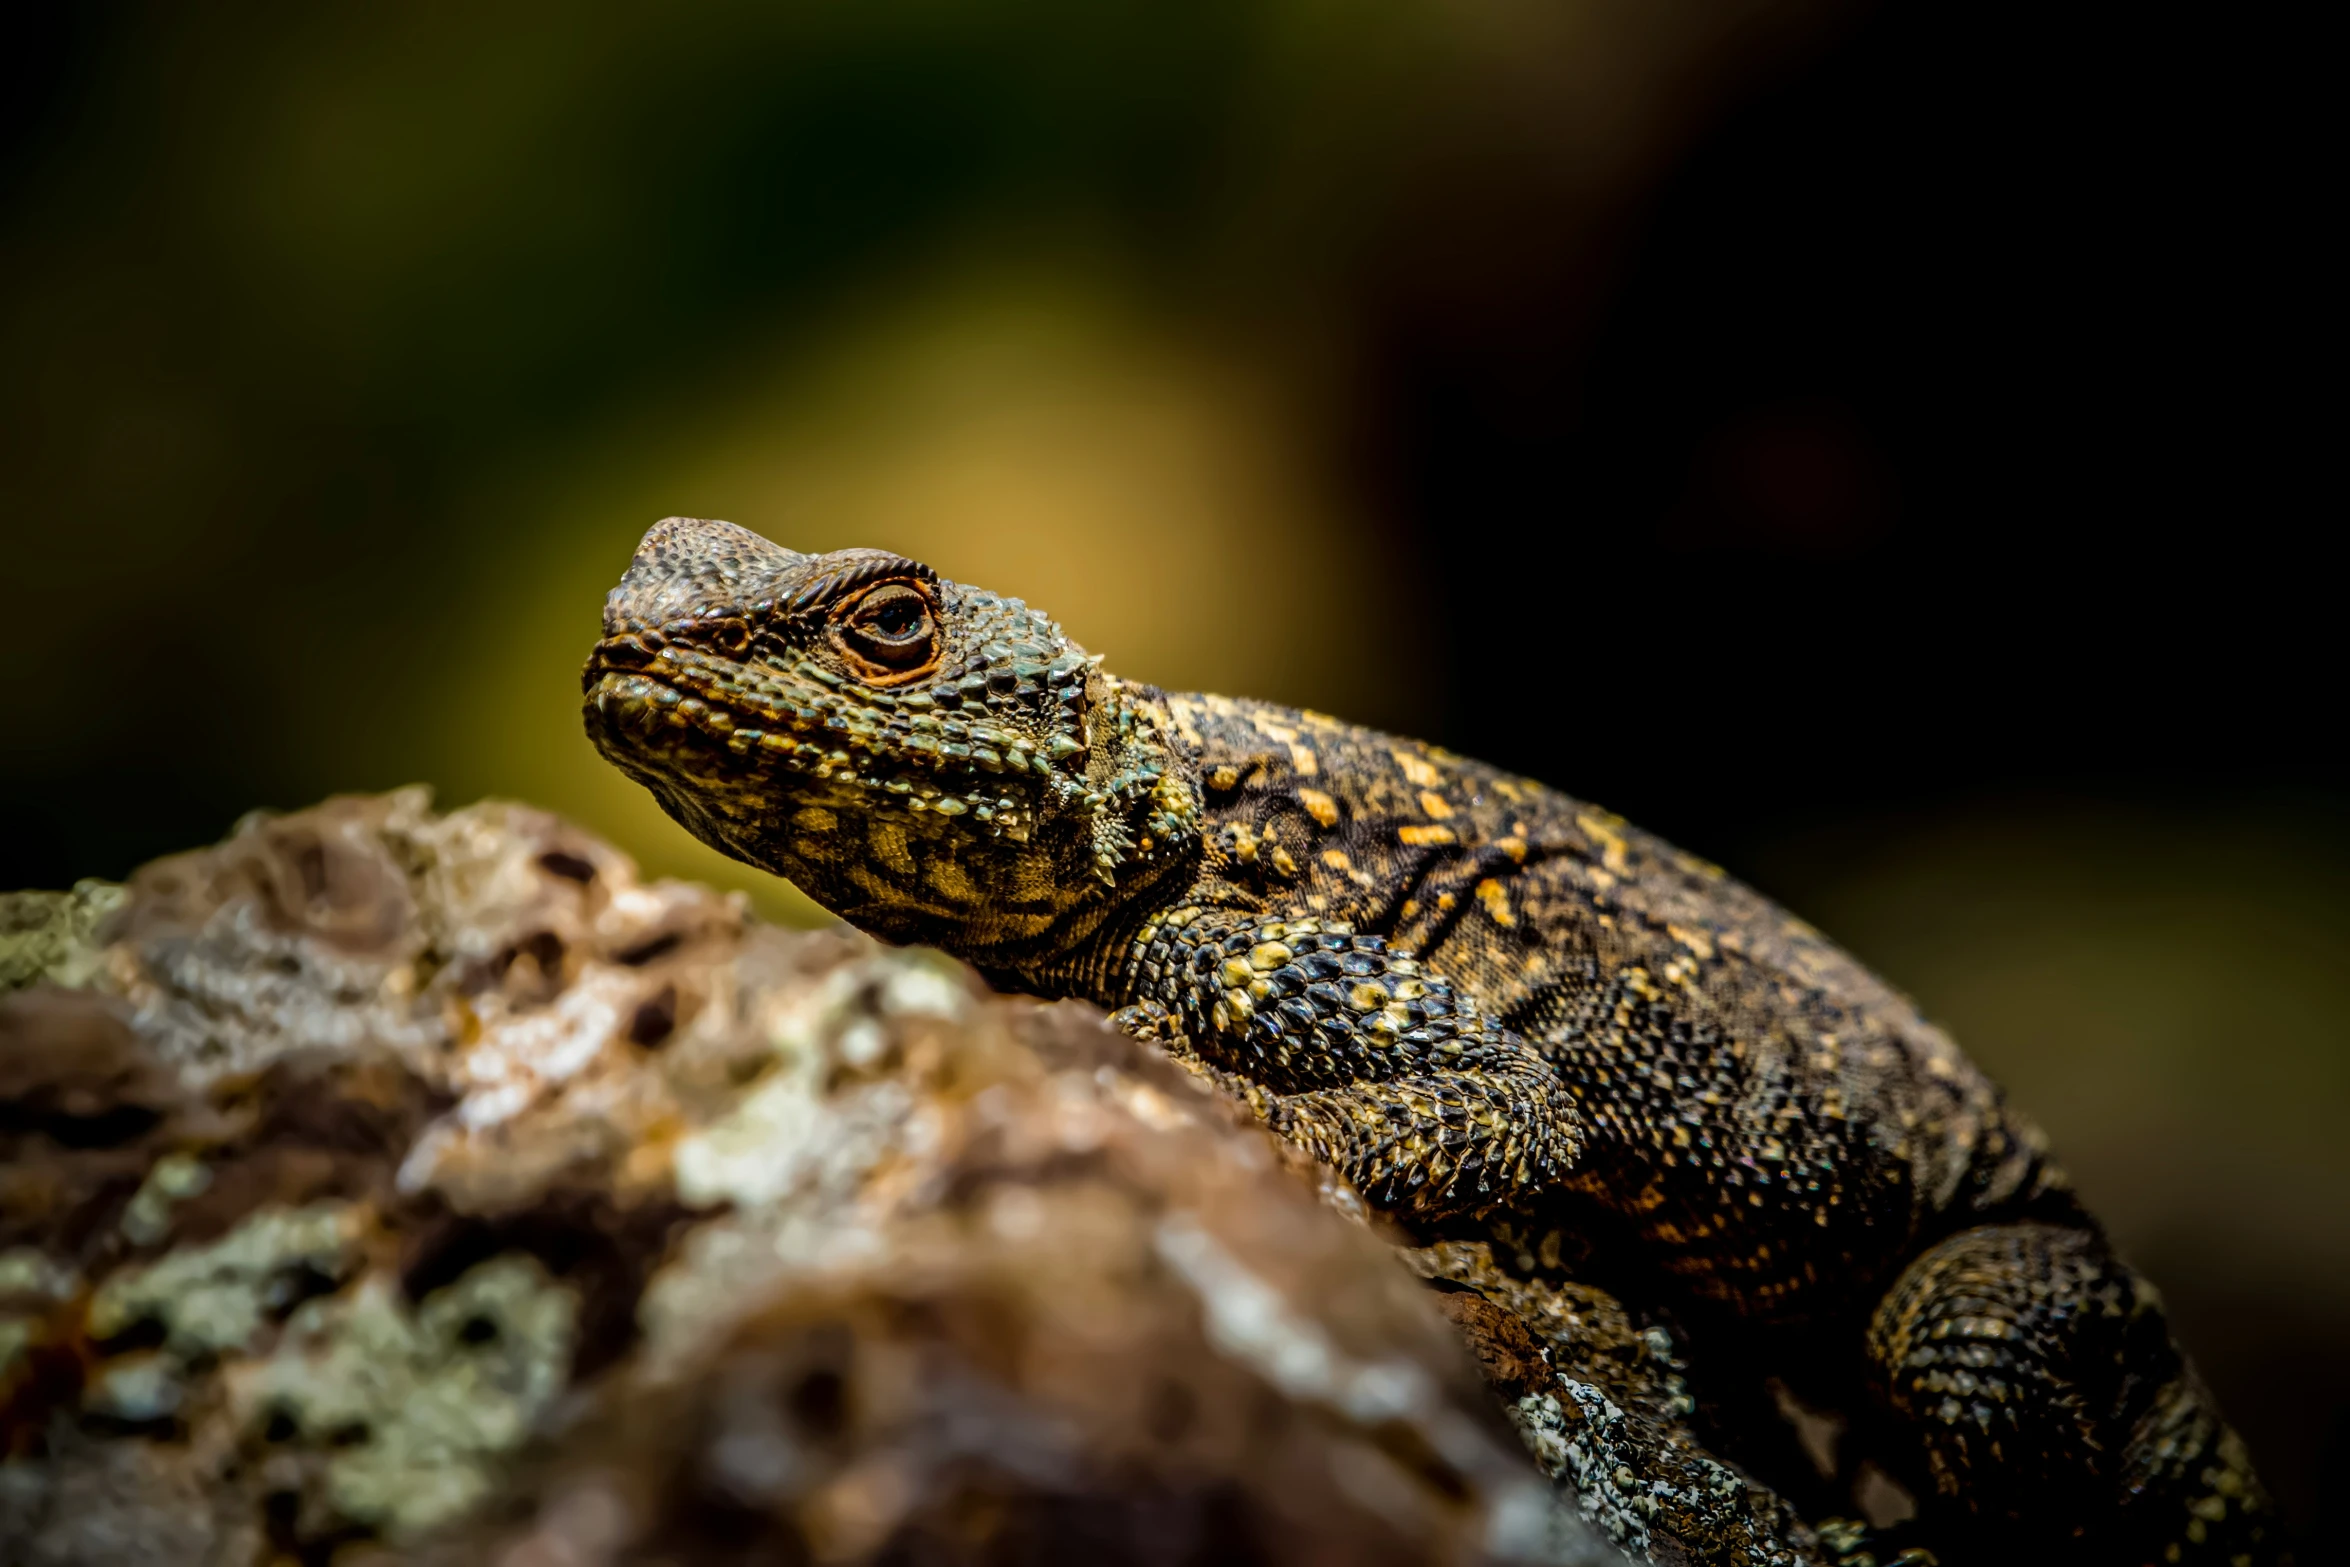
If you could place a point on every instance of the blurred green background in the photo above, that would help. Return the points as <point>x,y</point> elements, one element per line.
<point>1867,444</point>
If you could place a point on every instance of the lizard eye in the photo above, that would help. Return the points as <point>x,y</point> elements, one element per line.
<point>889,631</point>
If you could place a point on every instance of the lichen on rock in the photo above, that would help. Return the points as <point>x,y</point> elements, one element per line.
<point>211,1300</point>
<point>407,1408</point>
<point>52,936</point>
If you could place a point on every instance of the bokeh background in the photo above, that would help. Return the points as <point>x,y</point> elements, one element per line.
<point>1878,446</point>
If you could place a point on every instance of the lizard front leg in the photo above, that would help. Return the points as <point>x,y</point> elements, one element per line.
<point>1361,1057</point>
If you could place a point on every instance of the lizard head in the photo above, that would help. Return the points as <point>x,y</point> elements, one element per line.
<point>928,760</point>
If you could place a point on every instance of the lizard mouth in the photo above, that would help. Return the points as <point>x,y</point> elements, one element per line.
<point>646,716</point>
<point>673,716</point>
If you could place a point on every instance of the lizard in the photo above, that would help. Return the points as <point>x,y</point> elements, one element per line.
<point>1499,1011</point>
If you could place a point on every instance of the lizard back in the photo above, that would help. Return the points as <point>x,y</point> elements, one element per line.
<point>1781,1121</point>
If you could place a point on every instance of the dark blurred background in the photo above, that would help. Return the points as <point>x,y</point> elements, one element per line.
<point>1878,447</point>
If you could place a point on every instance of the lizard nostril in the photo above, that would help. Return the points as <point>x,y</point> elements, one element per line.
<point>625,652</point>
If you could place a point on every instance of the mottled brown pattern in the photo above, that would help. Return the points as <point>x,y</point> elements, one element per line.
<point>1502,1012</point>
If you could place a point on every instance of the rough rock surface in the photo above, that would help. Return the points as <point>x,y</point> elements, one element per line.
<point>384,1186</point>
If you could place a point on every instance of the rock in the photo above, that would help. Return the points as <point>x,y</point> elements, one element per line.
<point>382,1186</point>
<point>52,935</point>
<point>1602,1406</point>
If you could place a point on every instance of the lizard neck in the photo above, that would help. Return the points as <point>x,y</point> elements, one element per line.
<point>1085,954</point>
<point>1097,966</point>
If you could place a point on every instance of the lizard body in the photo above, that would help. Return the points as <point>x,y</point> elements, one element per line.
<point>1498,1010</point>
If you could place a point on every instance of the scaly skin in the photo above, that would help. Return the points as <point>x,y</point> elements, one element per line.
<point>1497,1010</point>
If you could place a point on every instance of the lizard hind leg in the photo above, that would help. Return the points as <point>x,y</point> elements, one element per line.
<point>2038,1374</point>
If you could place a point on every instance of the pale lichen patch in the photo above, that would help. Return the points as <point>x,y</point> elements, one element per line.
<point>173,1180</point>
<point>27,1274</point>
<point>212,1299</point>
<point>51,937</point>
<point>1249,1320</point>
<point>413,1407</point>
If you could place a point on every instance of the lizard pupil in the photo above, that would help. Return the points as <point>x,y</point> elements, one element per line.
<point>896,620</point>
<point>891,628</point>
